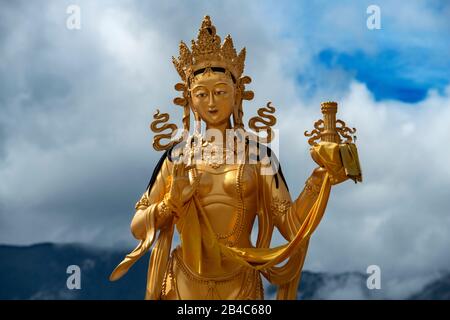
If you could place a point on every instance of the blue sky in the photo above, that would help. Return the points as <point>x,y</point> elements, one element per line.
<point>390,74</point>
<point>402,61</point>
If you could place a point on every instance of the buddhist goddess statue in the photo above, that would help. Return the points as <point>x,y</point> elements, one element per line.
<point>211,185</point>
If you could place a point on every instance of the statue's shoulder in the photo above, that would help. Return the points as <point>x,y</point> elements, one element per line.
<point>260,152</point>
<point>267,161</point>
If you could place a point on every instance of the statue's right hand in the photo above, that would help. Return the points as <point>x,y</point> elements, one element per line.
<point>181,188</point>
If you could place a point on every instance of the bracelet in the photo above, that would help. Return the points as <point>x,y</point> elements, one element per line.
<point>311,188</point>
<point>164,210</point>
<point>143,202</point>
<point>280,207</point>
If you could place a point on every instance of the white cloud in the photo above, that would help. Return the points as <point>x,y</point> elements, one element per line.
<point>398,217</point>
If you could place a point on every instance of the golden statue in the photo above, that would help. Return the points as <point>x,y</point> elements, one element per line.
<point>211,187</point>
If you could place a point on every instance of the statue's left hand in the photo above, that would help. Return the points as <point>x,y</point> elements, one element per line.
<point>327,156</point>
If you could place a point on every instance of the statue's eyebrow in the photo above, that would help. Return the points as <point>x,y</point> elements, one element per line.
<point>227,84</point>
<point>197,86</point>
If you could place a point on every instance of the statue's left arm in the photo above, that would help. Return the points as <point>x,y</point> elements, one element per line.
<point>288,215</point>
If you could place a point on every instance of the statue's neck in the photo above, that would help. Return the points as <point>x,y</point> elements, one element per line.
<point>222,128</point>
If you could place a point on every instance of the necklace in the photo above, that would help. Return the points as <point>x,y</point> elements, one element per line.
<point>215,155</point>
<point>198,150</point>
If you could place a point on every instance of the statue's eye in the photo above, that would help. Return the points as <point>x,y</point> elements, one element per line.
<point>200,95</point>
<point>220,92</point>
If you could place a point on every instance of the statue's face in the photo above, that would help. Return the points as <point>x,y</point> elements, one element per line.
<point>213,97</point>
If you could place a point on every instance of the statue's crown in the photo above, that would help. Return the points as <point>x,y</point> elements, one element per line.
<point>207,52</point>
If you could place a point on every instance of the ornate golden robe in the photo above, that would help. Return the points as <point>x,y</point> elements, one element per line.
<point>216,259</point>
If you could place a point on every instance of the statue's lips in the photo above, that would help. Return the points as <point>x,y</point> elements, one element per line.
<point>213,111</point>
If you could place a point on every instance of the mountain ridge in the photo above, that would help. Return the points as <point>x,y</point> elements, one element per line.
<point>39,271</point>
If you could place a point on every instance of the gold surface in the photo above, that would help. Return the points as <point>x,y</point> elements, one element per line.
<point>213,205</point>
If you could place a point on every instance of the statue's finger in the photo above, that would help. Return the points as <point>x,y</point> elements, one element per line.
<point>196,181</point>
<point>182,171</point>
<point>177,169</point>
<point>172,171</point>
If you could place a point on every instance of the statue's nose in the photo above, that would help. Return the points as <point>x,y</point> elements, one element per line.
<point>211,102</point>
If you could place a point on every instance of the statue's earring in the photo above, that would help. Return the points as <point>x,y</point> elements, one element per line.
<point>198,123</point>
<point>237,121</point>
<point>235,117</point>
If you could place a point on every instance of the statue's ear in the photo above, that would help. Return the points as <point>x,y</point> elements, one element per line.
<point>191,104</point>
<point>237,98</point>
<point>237,92</point>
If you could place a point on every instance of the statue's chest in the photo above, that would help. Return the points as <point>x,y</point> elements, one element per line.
<point>229,181</point>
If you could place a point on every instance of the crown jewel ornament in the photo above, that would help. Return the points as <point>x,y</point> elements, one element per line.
<point>207,52</point>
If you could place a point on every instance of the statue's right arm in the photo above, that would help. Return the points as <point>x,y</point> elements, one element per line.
<point>151,204</point>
